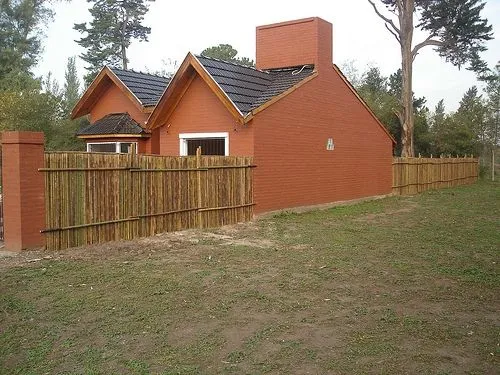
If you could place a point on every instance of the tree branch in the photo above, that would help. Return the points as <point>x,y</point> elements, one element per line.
<point>388,20</point>
<point>399,115</point>
<point>427,42</point>
<point>399,4</point>
<point>393,33</point>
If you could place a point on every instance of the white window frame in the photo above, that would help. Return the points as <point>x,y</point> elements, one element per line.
<point>183,137</point>
<point>117,145</point>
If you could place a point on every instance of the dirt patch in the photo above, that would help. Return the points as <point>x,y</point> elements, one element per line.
<point>314,293</point>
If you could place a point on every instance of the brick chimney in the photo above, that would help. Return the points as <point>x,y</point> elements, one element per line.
<point>292,43</point>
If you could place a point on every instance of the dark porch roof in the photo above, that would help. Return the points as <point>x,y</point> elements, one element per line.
<point>248,87</point>
<point>115,123</point>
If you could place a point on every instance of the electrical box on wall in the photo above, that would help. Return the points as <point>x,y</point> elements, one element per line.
<point>330,145</point>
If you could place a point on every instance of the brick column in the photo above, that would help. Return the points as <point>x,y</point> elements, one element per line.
<point>23,189</point>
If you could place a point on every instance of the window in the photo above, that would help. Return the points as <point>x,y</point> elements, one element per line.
<point>210,143</point>
<point>118,147</point>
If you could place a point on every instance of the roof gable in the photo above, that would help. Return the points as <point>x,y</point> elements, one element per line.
<point>243,90</point>
<point>143,90</point>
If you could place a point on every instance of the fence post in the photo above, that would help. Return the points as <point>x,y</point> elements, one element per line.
<point>198,166</point>
<point>23,189</point>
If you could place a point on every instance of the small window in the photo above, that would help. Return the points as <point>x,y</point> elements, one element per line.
<point>209,146</point>
<point>118,147</point>
<point>210,143</point>
<point>101,147</point>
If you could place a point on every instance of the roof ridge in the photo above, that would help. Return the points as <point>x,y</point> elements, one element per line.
<point>231,63</point>
<point>137,71</point>
<point>293,67</point>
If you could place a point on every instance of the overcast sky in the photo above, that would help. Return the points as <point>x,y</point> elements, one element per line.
<point>178,27</point>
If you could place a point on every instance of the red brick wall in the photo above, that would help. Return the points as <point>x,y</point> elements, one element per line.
<point>293,166</point>
<point>300,42</point>
<point>115,101</point>
<point>152,144</point>
<point>200,111</point>
<point>23,189</point>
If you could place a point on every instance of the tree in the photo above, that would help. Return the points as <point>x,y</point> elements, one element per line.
<point>454,27</point>
<point>492,91</point>
<point>20,39</point>
<point>226,52</point>
<point>71,91</point>
<point>462,132</point>
<point>115,23</point>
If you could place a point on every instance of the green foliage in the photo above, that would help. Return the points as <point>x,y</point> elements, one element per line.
<point>492,91</point>
<point>382,96</point>
<point>27,103</point>
<point>71,92</point>
<point>459,27</point>
<point>29,109</point>
<point>115,23</point>
<point>38,109</point>
<point>454,27</point>
<point>20,35</point>
<point>226,52</point>
<point>462,132</point>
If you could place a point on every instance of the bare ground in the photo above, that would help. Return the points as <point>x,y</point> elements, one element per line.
<point>395,286</point>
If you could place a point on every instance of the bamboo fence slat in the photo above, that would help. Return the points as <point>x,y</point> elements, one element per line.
<point>96,197</point>
<point>415,175</point>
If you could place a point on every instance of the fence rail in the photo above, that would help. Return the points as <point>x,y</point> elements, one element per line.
<point>94,198</point>
<point>415,175</point>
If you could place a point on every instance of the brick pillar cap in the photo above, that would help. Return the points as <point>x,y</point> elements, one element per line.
<point>17,137</point>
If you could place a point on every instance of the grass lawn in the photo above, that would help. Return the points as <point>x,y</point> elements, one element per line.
<point>403,285</point>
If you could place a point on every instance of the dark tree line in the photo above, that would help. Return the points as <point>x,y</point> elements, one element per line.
<point>471,129</point>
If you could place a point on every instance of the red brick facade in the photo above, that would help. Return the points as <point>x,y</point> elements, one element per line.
<point>200,111</point>
<point>23,189</point>
<point>300,42</point>
<point>115,101</point>
<point>294,166</point>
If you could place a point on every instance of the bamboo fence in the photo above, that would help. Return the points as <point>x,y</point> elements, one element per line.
<point>415,175</point>
<point>97,197</point>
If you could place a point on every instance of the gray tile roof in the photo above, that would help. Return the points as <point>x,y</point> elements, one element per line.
<point>115,123</point>
<point>148,88</point>
<point>248,87</point>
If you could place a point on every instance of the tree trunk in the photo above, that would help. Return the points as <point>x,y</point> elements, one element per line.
<point>124,47</point>
<point>406,23</point>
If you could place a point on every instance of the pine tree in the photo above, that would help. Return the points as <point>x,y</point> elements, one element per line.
<point>115,23</point>
<point>71,92</point>
<point>454,27</point>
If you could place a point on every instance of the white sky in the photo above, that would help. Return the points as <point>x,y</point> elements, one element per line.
<point>178,27</point>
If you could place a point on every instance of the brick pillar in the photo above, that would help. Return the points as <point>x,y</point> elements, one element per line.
<point>23,189</point>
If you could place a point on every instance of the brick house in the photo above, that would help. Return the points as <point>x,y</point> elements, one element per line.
<point>312,137</point>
